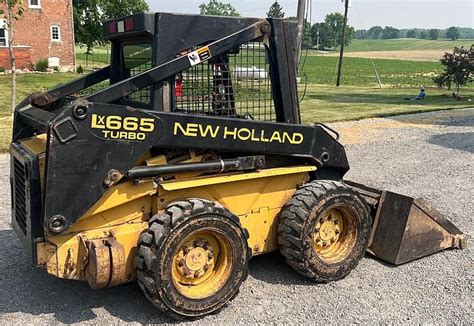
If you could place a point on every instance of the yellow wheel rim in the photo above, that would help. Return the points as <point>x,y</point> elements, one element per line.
<point>202,264</point>
<point>335,235</point>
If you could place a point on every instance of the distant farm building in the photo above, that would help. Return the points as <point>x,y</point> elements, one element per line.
<point>45,31</point>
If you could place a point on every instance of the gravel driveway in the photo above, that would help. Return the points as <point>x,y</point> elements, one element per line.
<point>428,155</point>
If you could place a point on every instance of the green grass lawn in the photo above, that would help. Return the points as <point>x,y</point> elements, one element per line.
<point>324,103</point>
<point>360,71</point>
<point>26,84</point>
<point>99,57</point>
<point>405,45</point>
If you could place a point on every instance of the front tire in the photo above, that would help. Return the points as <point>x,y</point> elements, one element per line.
<point>324,230</point>
<point>193,259</point>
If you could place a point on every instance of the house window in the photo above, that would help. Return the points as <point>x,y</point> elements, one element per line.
<point>55,34</point>
<point>3,33</point>
<point>34,3</point>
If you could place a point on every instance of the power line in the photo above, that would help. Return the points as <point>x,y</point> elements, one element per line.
<point>367,45</point>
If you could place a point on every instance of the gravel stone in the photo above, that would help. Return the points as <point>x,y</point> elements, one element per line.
<point>425,155</point>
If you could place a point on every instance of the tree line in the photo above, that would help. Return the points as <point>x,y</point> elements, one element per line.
<point>389,32</point>
<point>323,35</point>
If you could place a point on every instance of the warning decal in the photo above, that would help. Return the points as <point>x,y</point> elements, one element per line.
<point>200,55</point>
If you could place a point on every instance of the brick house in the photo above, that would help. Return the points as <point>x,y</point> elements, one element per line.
<point>45,31</point>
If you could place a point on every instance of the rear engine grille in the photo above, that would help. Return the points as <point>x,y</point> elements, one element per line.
<point>26,197</point>
<point>20,195</point>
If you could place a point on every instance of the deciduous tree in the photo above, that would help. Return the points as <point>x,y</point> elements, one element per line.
<point>458,68</point>
<point>217,8</point>
<point>411,33</point>
<point>434,34</point>
<point>330,31</point>
<point>89,16</point>
<point>375,32</point>
<point>11,10</point>
<point>452,33</point>
<point>390,33</point>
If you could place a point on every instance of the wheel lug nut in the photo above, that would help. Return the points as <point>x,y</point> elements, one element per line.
<point>196,274</point>
<point>187,250</point>
<point>329,217</point>
<point>206,267</point>
<point>181,263</point>
<point>210,255</point>
<point>198,243</point>
<point>336,222</point>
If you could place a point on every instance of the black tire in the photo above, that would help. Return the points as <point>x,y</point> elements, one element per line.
<point>158,248</point>
<point>299,236</point>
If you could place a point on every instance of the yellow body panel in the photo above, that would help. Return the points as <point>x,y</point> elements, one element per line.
<point>36,144</point>
<point>207,181</point>
<point>122,213</point>
<point>69,259</point>
<point>256,198</point>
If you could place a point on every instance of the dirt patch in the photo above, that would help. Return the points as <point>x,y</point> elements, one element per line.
<point>372,130</point>
<point>428,55</point>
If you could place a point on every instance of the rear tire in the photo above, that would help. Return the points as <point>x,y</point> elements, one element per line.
<point>324,230</point>
<point>192,259</point>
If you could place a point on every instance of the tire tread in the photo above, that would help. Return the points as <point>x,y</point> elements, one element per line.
<point>292,222</point>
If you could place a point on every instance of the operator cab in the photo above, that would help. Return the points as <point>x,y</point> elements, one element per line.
<point>132,53</point>
<point>236,84</point>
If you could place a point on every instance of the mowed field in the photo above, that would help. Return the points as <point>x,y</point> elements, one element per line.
<point>406,44</point>
<point>399,62</point>
<point>99,57</point>
<point>361,72</point>
<point>413,55</point>
<point>402,49</point>
<point>398,49</point>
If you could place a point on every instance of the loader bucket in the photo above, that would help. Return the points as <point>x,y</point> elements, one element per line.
<point>405,229</point>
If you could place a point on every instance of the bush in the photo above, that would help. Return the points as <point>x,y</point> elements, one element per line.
<point>457,69</point>
<point>80,70</point>
<point>41,65</point>
<point>2,69</point>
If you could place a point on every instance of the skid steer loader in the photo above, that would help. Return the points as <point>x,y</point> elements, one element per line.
<point>186,157</point>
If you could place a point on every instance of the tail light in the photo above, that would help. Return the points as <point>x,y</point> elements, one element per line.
<point>121,26</point>
<point>179,85</point>
<point>113,28</point>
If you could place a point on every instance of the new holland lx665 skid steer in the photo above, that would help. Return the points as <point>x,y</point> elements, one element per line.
<point>186,157</point>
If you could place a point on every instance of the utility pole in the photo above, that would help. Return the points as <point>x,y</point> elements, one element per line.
<point>343,41</point>
<point>301,25</point>
<point>317,40</point>
<point>11,52</point>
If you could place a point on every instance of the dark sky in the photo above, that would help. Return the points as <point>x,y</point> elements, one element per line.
<point>363,13</point>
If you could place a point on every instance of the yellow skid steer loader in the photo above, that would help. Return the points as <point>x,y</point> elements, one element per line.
<point>186,157</point>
